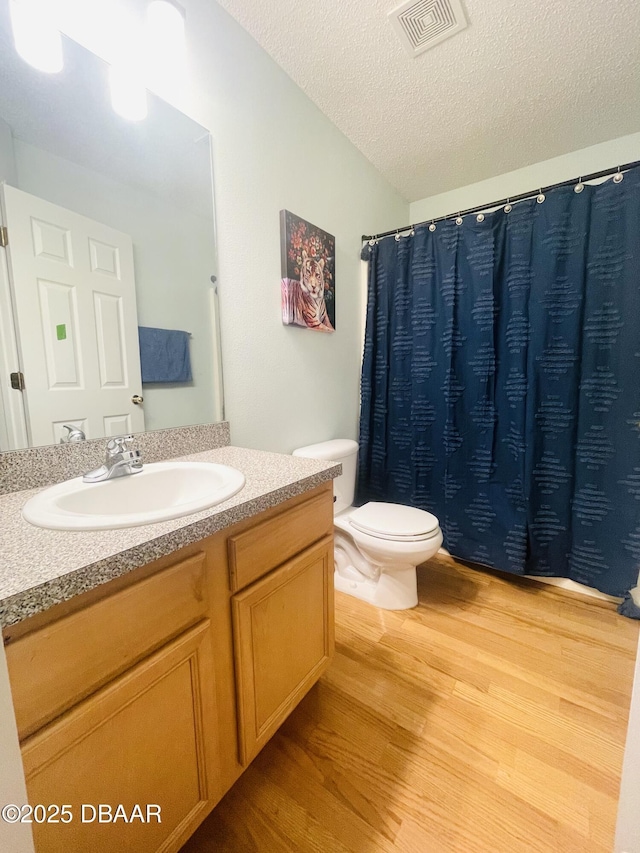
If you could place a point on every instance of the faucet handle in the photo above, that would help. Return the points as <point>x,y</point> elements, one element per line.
<point>119,444</point>
<point>73,434</point>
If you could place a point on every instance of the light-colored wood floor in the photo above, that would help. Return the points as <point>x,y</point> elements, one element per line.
<point>491,718</point>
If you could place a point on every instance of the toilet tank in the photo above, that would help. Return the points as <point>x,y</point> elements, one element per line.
<point>342,450</point>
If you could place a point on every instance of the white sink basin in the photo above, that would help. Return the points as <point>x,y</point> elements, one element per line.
<point>161,491</point>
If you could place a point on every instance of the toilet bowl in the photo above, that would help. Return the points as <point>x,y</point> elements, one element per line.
<point>377,545</point>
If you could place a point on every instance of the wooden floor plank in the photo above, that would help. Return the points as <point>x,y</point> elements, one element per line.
<point>491,718</point>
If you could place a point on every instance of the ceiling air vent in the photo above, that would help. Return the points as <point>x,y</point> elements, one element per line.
<point>421,24</point>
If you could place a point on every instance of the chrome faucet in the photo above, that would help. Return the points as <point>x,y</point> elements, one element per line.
<point>121,461</point>
<point>73,433</point>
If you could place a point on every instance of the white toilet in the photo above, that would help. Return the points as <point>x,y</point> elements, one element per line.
<point>378,545</point>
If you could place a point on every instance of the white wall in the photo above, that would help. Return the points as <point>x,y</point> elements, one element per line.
<point>173,259</point>
<point>625,149</point>
<point>273,149</point>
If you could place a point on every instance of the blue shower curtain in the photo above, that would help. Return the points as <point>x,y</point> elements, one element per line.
<point>501,383</point>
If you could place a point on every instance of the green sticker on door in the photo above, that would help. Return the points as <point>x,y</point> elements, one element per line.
<point>61,332</point>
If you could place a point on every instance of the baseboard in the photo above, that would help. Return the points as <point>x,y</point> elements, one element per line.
<point>564,583</point>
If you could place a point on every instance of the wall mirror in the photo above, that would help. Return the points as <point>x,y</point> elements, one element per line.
<point>110,229</point>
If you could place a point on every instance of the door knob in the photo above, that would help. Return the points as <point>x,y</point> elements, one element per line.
<point>137,400</point>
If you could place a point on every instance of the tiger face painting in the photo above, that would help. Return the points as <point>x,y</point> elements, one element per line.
<point>312,305</point>
<point>308,274</point>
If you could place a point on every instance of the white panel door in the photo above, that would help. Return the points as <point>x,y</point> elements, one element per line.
<point>75,301</point>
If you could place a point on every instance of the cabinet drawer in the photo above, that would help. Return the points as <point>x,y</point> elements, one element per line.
<point>53,668</point>
<point>283,629</point>
<point>267,545</point>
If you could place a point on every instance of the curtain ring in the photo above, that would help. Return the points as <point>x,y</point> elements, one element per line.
<point>433,226</point>
<point>372,242</point>
<point>398,236</point>
<point>540,197</point>
<point>480,217</point>
<point>508,207</point>
<point>618,177</point>
<point>412,233</point>
<point>579,186</point>
<point>458,219</point>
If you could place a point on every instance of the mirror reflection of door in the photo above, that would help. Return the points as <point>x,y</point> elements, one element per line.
<point>73,290</point>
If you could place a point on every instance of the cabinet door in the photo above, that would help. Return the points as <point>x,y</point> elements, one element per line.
<point>146,738</point>
<point>283,634</point>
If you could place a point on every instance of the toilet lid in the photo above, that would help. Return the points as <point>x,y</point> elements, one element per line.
<point>394,521</point>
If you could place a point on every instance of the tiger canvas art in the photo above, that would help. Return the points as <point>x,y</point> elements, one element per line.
<point>308,274</point>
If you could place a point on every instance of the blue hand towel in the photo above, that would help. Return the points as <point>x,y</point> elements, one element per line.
<point>164,355</point>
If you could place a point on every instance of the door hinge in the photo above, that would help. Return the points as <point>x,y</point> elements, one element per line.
<point>4,236</point>
<point>17,381</point>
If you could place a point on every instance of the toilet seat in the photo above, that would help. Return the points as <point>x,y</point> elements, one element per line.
<point>394,522</point>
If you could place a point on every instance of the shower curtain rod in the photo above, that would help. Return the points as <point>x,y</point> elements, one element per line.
<point>531,194</point>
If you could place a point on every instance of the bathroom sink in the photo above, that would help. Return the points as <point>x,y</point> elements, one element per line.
<point>160,492</point>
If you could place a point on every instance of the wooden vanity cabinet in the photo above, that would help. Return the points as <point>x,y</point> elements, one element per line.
<point>158,688</point>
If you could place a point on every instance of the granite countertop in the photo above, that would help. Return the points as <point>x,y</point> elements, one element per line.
<point>40,568</point>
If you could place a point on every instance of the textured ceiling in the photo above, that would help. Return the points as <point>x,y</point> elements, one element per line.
<point>528,80</point>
